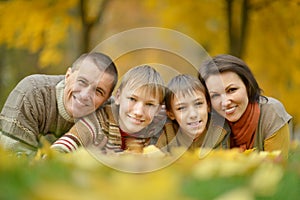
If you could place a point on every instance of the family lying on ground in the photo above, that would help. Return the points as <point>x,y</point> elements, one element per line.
<point>221,108</point>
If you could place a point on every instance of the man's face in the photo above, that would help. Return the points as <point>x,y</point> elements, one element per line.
<point>86,89</point>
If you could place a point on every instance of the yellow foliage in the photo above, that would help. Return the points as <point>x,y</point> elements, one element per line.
<point>202,20</point>
<point>37,26</point>
<point>79,175</point>
<point>272,42</point>
<point>237,194</point>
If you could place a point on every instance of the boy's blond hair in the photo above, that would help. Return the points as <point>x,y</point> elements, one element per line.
<point>146,79</point>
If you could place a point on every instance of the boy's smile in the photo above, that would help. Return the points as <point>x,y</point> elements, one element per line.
<point>136,110</point>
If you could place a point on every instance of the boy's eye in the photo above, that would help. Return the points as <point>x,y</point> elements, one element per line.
<point>180,108</point>
<point>131,99</point>
<point>150,104</point>
<point>198,103</point>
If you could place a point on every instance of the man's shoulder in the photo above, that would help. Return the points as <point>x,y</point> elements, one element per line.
<point>41,79</point>
<point>38,81</point>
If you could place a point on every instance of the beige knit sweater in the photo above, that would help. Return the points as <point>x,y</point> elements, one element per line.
<point>34,109</point>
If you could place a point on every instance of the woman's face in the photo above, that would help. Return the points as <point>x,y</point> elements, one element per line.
<point>228,95</point>
<point>191,113</point>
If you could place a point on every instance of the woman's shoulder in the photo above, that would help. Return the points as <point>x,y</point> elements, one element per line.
<point>271,107</point>
<point>273,115</point>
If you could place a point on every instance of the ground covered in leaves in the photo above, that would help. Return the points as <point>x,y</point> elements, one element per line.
<point>219,175</point>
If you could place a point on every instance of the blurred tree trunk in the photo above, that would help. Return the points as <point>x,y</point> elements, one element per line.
<point>237,28</point>
<point>2,63</point>
<point>89,23</point>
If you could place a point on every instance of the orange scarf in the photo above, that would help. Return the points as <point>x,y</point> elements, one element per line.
<point>243,131</point>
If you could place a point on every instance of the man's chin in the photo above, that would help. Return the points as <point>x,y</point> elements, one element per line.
<point>79,114</point>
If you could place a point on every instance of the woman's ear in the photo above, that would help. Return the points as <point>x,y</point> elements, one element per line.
<point>117,97</point>
<point>171,115</point>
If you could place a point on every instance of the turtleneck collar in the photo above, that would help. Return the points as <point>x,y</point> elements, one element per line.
<point>60,101</point>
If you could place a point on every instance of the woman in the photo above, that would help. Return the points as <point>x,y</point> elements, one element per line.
<point>256,121</point>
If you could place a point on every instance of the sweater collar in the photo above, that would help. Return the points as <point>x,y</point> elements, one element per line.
<point>60,101</point>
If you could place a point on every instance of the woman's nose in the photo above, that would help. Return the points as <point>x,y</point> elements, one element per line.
<point>225,100</point>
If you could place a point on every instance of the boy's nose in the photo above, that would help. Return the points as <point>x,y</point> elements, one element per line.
<point>138,108</point>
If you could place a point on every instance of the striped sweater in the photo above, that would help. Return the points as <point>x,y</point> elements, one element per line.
<point>100,131</point>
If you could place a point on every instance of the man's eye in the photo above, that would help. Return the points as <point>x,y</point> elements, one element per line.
<point>213,96</point>
<point>82,82</point>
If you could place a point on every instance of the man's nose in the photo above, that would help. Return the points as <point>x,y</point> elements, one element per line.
<point>87,93</point>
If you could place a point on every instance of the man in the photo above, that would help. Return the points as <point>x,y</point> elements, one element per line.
<point>46,105</point>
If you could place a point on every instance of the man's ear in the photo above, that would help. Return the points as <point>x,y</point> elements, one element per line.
<point>117,97</point>
<point>171,115</point>
<point>68,73</point>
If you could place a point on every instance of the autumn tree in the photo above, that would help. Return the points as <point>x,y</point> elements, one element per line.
<point>44,31</point>
<point>265,33</point>
<point>43,27</point>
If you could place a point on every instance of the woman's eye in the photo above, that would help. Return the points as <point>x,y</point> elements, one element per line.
<point>231,90</point>
<point>100,92</point>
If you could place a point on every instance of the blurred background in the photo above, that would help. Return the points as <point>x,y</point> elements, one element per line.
<point>47,36</point>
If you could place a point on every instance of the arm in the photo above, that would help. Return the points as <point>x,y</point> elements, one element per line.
<point>84,133</point>
<point>280,140</point>
<point>274,127</point>
<point>167,138</point>
<point>67,143</point>
<point>30,110</point>
<point>22,112</point>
